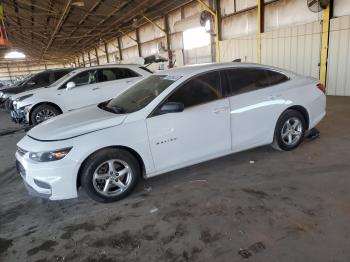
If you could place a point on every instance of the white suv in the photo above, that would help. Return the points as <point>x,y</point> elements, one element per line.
<point>80,88</point>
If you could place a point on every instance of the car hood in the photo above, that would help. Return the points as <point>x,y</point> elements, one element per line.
<point>29,92</point>
<point>13,90</point>
<point>75,124</point>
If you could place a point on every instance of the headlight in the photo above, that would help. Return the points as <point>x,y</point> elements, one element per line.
<point>23,97</point>
<point>26,108</point>
<point>1,94</point>
<point>50,155</point>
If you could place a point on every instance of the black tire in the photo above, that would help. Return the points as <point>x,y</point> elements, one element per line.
<point>279,141</point>
<point>96,161</point>
<point>34,115</point>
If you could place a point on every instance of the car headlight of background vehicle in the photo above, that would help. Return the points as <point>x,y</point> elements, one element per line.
<point>49,155</point>
<point>1,94</point>
<point>25,109</point>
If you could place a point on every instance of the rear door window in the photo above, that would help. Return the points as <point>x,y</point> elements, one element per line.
<point>111,74</point>
<point>276,78</point>
<point>242,80</point>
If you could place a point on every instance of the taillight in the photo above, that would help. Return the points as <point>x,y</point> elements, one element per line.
<point>321,87</point>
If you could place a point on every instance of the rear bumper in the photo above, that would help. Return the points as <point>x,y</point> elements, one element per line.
<point>317,110</point>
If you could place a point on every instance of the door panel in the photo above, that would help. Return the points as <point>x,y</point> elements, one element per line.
<point>80,96</point>
<point>199,132</point>
<point>85,93</point>
<point>253,118</point>
<point>256,101</point>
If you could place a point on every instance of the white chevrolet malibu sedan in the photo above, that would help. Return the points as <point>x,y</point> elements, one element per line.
<point>167,121</point>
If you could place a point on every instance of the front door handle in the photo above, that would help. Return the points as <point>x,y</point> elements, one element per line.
<point>219,110</point>
<point>95,88</point>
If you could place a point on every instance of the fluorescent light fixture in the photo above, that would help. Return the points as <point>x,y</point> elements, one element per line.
<point>14,55</point>
<point>196,37</point>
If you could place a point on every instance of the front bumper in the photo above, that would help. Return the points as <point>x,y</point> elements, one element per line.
<point>53,180</point>
<point>19,116</point>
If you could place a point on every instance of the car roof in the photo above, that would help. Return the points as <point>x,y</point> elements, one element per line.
<point>195,69</point>
<point>109,66</point>
<point>60,69</point>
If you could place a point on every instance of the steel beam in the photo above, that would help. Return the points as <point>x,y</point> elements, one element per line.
<point>120,49</point>
<point>58,26</point>
<point>97,59</point>
<point>324,43</point>
<point>260,26</point>
<point>106,51</point>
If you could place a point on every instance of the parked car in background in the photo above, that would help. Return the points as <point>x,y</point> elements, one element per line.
<point>170,120</point>
<point>80,88</point>
<point>42,79</point>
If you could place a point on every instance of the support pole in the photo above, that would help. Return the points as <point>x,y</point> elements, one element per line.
<point>138,42</point>
<point>120,49</point>
<point>106,50</point>
<point>166,31</point>
<point>89,57</point>
<point>324,45</point>
<point>97,59</point>
<point>260,26</point>
<point>167,39</point>
<point>215,14</point>
<point>82,56</point>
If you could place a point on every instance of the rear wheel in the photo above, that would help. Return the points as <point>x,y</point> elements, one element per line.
<point>42,113</point>
<point>290,130</point>
<point>110,175</point>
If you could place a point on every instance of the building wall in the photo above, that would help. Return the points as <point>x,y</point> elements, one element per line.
<point>13,71</point>
<point>338,77</point>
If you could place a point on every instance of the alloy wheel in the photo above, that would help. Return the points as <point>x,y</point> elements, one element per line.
<point>44,115</point>
<point>112,177</point>
<point>292,131</point>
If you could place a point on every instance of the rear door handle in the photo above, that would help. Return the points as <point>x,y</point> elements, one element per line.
<point>219,110</point>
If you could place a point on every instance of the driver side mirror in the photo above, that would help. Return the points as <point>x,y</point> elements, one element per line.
<point>171,107</point>
<point>70,85</point>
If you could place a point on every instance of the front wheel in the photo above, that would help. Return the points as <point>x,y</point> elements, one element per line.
<point>110,175</point>
<point>290,130</point>
<point>43,113</point>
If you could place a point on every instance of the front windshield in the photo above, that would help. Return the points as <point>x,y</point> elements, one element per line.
<point>62,79</point>
<point>139,95</point>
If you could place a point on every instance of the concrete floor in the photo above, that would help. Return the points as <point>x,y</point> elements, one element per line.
<point>287,206</point>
